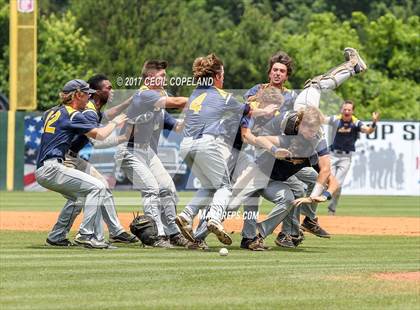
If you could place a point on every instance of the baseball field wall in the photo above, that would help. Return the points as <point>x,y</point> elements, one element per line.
<point>12,147</point>
<point>385,163</point>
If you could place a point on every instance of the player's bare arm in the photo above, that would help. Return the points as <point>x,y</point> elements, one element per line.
<point>171,102</point>
<point>326,195</point>
<point>248,137</point>
<point>111,113</point>
<point>179,126</point>
<point>372,127</point>
<point>324,169</point>
<point>272,144</point>
<point>103,132</point>
<point>267,111</point>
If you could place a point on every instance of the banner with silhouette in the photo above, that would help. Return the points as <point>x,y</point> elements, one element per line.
<point>386,162</point>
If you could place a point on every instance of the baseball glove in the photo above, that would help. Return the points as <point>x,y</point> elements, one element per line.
<point>144,228</point>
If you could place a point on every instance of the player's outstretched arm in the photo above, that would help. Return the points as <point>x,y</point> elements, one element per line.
<point>324,173</point>
<point>271,144</point>
<point>326,195</point>
<point>372,127</point>
<point>111,113</point>
<point>103,132</point>
<point>171,102</point>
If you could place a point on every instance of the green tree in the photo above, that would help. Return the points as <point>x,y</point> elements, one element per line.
<point>62,53</point>
<point>4,47</point>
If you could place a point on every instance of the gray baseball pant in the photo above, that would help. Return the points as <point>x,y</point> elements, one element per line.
<point>305,178</point>
<point>340,165</point>
<point>311,94</point>
<point>205,158</point>
<point>147,174</point>
<point>74,184</point>
<point>253,181</point>
<point>73,208</point>
<point>237,162</point>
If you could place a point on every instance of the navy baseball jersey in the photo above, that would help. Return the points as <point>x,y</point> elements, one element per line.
<point>305,152</point>
<point>146,117</point>
<point>208,108</point>
<point>94,117</point>
<point>61,125</point>
<point>346,133</point>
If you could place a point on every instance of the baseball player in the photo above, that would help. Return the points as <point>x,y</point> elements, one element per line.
<point>297,144</point>
<point>347,129</point>
<point>101,84</point>
<point>138,158</point>
<point>61,124</point>
<point>280,67</point>
<point>238,160</point>
<point>203,147</point>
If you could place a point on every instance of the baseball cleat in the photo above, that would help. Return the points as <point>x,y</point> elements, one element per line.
<point>124,237</point>
<point>181,241</point>
<point>313,227</point>
<point>330,212</point>
<point>252,244</point>
<point>298,239</point>
<point>185,228</point>
<point>89,241</point>
<point>61,243</point>
<point>201,245</point>
<point>161,242</point>
<point>284,241</point>
<point>351,55</point>
<point>217,229</point>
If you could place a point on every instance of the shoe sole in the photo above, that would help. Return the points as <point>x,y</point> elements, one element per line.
<point>185,232</point>
<point>123,241</point>
<point>278,243</point>
<point>58,245</point>
<point>318,235</point>
<point>220,234</point>
<point>360,61</point>
<point>89,245</point>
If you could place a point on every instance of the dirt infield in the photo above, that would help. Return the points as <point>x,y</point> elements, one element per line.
<point>399,276</point>
<point>339,225</point>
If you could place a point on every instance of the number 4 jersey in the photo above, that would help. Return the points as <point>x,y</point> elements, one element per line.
<point>61,125</point>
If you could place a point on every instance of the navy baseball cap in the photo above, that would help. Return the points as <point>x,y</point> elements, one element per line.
<point>79,85</point>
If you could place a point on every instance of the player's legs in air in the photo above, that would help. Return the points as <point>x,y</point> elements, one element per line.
<point>311,94</point>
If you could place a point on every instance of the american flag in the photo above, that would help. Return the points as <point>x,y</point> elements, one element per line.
<point>33,131</point>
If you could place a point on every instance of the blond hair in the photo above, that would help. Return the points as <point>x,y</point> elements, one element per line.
<point>66,98</point>
<point>311,116</point>
<point>207,67</point>
<point>269,95</point>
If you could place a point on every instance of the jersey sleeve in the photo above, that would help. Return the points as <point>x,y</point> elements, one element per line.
<point>252,91</point>
<point>169,122</point>
<point>80,124</point>
<point>143,101</point>
<point>246,122</point>
<point>322,147</point>
<point>91,116</point>
<point>149,98</point>
<point>237,108</point>
<point>359,125</point>
<point>331,120</point>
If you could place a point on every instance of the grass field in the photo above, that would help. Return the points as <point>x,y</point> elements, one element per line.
<point>130,201</point>
<point>320,274</point>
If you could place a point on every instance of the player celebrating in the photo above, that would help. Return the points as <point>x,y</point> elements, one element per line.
<point>101,84</point>
<point>346,128</point>
<point>203,149</point>
<point>294,143</point>
<point>62,124</point>
<point>139,160</point>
